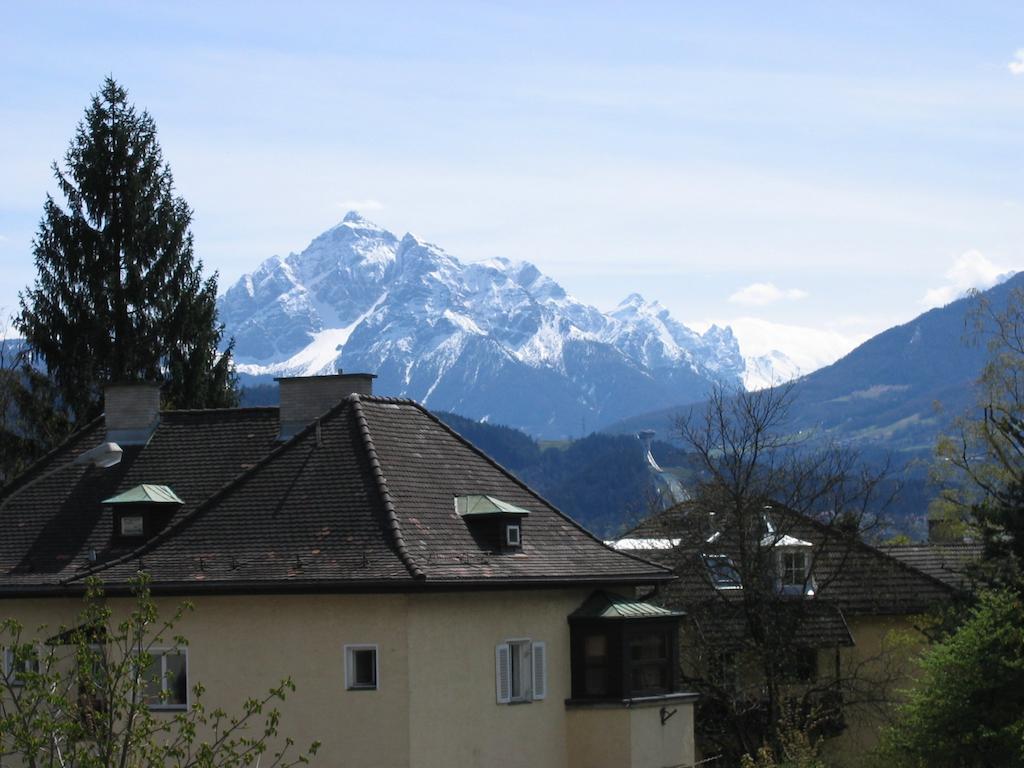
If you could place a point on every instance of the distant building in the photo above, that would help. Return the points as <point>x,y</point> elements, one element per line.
<point>848,603</point>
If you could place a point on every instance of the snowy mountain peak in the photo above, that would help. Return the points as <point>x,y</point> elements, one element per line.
<point>354,217</point>
<point>491,338</point>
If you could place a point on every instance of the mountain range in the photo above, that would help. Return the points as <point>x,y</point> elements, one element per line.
<point>494,340</point>
<point>895,392</point>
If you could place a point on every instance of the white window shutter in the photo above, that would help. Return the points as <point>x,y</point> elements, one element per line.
<point>540,670</point>
<point>503,673</point>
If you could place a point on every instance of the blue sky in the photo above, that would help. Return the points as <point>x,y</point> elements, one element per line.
<point>811,172</point>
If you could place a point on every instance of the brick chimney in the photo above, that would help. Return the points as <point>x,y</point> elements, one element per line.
<point>131,412</point>
<point>306,398</point>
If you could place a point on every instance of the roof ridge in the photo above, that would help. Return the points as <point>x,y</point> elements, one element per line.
<point>523,485</point>
<point>386,399</point>
<point>203,506</point>
<point>394,524</point>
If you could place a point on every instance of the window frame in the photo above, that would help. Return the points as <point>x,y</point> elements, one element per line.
<point>14,677</point>
<point>805,585</point>
<point>518,529</point>
<point>715,564</point>
<point>350,650</point>
<point>526,661</point>
<point>161,653</point>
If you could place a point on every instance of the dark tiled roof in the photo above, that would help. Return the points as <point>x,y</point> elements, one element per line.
<point>723,624</point>
<point>362,499</point>
<point>848,574</point>
<point>950,562</point>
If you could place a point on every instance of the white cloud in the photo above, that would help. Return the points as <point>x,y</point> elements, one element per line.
<point>970,270</point>
<point>1016,66</point>
<point>361,205</point>
<point>760,294</point>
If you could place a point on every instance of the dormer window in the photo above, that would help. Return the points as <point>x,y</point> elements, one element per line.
<point>495,523</point>
<point>141,512</point>
<point>793,566</point>
<point>722,572</point>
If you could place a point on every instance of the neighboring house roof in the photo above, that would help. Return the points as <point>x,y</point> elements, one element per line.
<point>950,562</point>
<point>361,499</point>
<point>847,573</point>
<point>816,625</point>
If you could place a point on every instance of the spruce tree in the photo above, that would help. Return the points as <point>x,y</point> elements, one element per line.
<point>119,296</point>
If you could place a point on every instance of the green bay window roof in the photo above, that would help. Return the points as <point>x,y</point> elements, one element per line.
<point>603,605</point>
<point>480,505</point>
<point>146,494</point>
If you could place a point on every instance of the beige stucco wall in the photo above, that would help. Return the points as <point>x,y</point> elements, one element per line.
<point>884,650</point>
<point>452,638</point>
<point>615,737</point>
<point>242,646</point>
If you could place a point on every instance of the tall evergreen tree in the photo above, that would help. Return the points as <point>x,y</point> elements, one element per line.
<point>119,295</point>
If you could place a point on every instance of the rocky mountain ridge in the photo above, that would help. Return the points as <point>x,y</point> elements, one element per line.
<point>495,339</point>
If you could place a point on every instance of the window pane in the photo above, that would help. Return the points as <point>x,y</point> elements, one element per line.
<point>131,525</point>
<point>515,657</point>
<point>649,677</point>
<point>175,680</point>
<point>652,646</point>
<point>595,681</point>
<point>596,647</point>
<point>151,681</point>
<point>364,668</point>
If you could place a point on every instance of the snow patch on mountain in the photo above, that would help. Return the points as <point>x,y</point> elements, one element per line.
<point>493,337</point>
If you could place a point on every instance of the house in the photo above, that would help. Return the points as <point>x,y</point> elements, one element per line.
<point>431,609</point>
<point>832,614</point>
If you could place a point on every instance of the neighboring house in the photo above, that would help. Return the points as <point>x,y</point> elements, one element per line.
<point>432,610</point>
<point>839,609</point>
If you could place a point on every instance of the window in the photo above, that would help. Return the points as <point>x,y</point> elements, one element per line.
<point>512,534</point>
<point>648,661</point>
<point>166,679</point>
<point>520,671</point>
<point>722,572</point>
<point>596,664</point>
<point>799,665</point>
<point>623,659</point>
<point>723,670</point>
<point>794,572</point>
<point>132,526</point>
<point>362,672</point>
<point>19,663</point>
<point>93,685</point>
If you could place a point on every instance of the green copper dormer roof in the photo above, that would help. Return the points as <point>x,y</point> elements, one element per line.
<point>481,505</point>
<point>145,494</point>
<point>602,605</point>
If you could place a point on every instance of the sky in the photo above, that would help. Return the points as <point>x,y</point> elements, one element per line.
<point>809,173</point>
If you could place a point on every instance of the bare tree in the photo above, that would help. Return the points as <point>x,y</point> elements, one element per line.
<point>981,466</point>
<point>773,532</point>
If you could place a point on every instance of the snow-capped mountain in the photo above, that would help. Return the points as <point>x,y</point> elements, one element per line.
<point>494,339</point>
